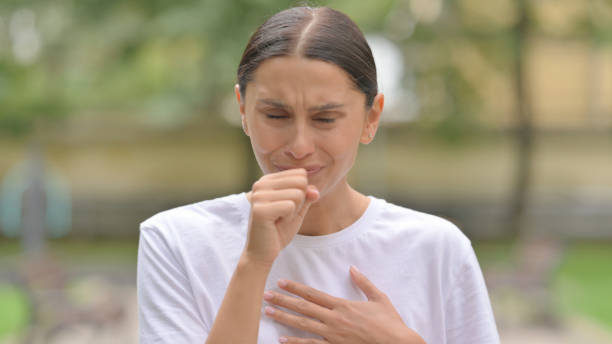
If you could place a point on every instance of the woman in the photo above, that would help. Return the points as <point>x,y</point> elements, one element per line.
<point>288,260</point>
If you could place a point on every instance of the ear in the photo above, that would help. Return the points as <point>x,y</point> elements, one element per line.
<point>241,108</point>
<point>372,119</point>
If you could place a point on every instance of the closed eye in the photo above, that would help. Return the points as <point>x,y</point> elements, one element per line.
<point>276,116</point>
<point>325,120</point>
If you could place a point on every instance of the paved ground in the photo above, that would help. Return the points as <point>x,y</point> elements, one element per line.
<point>578,331</point>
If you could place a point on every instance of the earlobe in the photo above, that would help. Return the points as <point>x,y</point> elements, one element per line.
<point>243,121</point>
<point>244,126</point>
<point>368,135</point>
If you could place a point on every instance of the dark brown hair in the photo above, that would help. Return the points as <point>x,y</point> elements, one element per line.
<point>318,33</point>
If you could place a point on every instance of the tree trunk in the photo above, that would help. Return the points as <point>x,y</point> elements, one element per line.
<point>523,132</point>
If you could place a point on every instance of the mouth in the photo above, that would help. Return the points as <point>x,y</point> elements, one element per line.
<point>311,170</point>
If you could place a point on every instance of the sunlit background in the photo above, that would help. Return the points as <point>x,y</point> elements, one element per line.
<point>498,118</point>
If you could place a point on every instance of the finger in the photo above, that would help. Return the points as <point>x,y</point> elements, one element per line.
<point>296,321</point>
<point>289,172</point>
<point>312,196</point>
<point>296,340</point>
<point>291,181</point>
<point>272,211</point>
<point>308,293</point>
<point>299,305</point>
<point>368,288</point>
<point>298,196</point>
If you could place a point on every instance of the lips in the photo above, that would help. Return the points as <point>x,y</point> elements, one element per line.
<point>310,169</point>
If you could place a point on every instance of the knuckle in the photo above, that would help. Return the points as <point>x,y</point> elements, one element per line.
<point>298,194</point>
<point>342,308</point>
<point>258,185</point>
<point>309,294</point>
<point>256,197</point>
<point>291,207</point>
<point>346,308</point>
<point>300,180</point>
<point>341,322</point>
<point>301,306</point>
<point>304,179</point>
<point>302,323</point>
<point>288,206</point>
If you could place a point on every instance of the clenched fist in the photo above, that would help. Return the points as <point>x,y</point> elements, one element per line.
<point>279,202</point>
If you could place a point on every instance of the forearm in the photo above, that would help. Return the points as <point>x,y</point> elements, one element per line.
<point>238,318</point>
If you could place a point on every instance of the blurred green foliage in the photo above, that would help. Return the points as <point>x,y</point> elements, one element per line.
<point>176,60</point>
<point>129,57</point>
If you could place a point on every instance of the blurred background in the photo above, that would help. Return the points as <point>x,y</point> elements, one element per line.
<point>498,117</point>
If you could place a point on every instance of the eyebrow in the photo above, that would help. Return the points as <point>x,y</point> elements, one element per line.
<point>280,104</point>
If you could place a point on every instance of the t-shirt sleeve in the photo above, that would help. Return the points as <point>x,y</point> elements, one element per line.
<point>167,312</point>
<point>468,308</point>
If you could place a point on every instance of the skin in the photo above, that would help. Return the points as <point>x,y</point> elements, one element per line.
<point>306,120</point>
<point>301,138</point>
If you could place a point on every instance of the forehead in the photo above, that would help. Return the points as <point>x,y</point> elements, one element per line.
<point>294,78</point>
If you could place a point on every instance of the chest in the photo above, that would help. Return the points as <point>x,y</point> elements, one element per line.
<point>410,284</point>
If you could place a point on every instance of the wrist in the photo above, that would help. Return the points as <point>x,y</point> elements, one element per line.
<point>251,262</point>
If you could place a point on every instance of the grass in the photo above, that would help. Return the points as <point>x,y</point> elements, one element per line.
<point>13,303</point>
<point>584,282</point>
<point>71,252</point>
<point>13,310</point>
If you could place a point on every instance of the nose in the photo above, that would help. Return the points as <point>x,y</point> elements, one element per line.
<point>301,143</point>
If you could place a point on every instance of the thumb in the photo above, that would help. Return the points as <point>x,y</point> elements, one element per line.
<point>368,288</point>
<point>312,195</point>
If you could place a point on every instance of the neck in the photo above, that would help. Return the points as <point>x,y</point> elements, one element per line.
<point>334,211</point>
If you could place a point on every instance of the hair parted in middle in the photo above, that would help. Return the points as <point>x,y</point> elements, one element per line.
<point>319,33</point>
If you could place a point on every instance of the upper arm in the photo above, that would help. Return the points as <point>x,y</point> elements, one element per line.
<point>469,316</point>
<point>167,310</point>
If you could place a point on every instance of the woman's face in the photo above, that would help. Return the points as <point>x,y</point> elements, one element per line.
<point>301,112</point>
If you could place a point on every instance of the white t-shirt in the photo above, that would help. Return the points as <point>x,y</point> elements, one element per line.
<point>424,264</point>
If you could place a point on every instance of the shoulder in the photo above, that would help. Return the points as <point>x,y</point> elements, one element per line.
<point>431,231</point>
<point>435,245</point>
<point>421,224</point>
<point>200,218</point>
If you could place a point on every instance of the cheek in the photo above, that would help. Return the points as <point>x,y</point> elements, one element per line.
<point>262,140</point>
<point>343,146</point>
